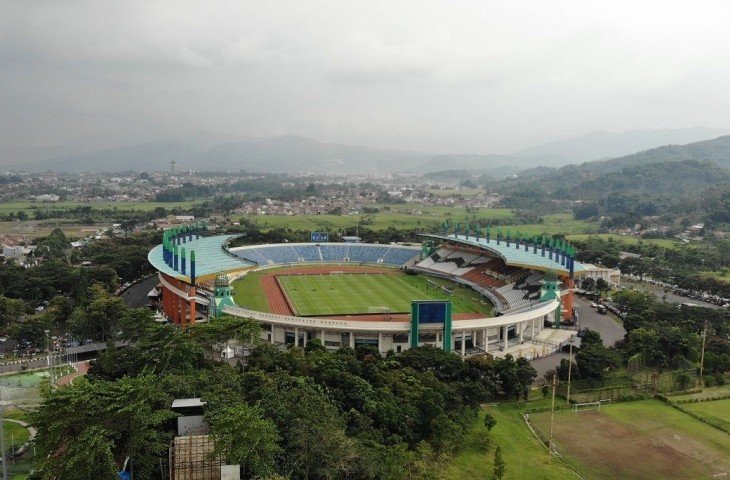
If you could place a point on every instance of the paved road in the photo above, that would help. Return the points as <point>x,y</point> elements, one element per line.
<point>38,362</point>
<point>611,331</point>
<point>136,295</point>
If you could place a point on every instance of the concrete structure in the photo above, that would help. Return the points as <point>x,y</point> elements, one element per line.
<point>521,329</point>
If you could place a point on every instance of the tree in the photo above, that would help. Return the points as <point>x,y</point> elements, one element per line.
<point>602,285</point>
<point>489,421</point>
<point>242,436</point>
<point>10,310</point>
<point>84,429</point>
<point>590,338</point>
<point>100,319</point>
<point>225,328</point>
<point>499,465</point>
<point>595,360</point>
<point>588,284</point>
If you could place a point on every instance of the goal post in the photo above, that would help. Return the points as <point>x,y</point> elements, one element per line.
<point>582,407</point>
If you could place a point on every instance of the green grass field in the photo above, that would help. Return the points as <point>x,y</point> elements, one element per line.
<point>723,275</point>
<point>364,293</point>
<point>15,433</point>
<point>524,455</point>
<point>720,409</point>
<point>626,240</point>
<point>29,206</point>
<point>638,440</point>
<point>707,392</point>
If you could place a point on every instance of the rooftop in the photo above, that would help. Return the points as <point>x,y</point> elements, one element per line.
<point>210,258</point>
<point>512,255</point>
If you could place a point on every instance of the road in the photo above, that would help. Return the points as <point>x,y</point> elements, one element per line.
<point>136,295</point>
<point>611,332</point>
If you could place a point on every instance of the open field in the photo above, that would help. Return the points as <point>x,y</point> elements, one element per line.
<point>37,228</point>
<point>638,440</point>
<point>426,218</point>
<point>362,293</point>
<point>400,216</point>
<point>626,240</point>
<point>723,276</point>
<point>707,392</point>
<point>720,409</point>
<point>524,455</point>
<point>461,192</point>
<point>29,207</point>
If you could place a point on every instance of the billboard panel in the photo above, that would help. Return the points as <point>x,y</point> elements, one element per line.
<point>320,237</point>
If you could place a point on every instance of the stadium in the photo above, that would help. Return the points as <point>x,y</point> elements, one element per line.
<point>467,292</point>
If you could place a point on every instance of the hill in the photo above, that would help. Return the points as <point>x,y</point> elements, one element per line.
<point>603,145</point>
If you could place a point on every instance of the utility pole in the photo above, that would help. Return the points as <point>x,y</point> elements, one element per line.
<point>702,355</point>
<point>570,367</point>
<point>552,416</point>
<point>2,444</point>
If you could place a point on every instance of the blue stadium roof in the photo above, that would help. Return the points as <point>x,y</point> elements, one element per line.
<point>210,258</point>
<point>512,255</point>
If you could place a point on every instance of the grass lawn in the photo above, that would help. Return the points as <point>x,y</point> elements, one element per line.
<point>720,409</point>
<point>723,276</point>
<point>248,291</point>
<point>29,207</point>
<point>37,228</point>
<point>638,440</point>
<point>15,433</point>
<point>707,392</point>
<point>366,293</point>
<point>523,454</point>
<point>626,240</point>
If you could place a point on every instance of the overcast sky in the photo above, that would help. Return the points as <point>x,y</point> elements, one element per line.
<point>452,76</point>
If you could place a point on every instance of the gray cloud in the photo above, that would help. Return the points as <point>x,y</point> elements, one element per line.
<point>432,76</point>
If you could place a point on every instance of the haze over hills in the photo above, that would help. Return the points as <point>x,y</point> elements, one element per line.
<point>287,154</point>
<point>603,145</point>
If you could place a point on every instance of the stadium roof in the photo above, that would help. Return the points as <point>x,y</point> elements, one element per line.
<point>512,255</point>
<point>210,258</point>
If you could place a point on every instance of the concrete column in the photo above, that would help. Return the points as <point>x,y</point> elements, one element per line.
<point>296,336</point>
<point>533,328</point>
<point>380,342</point>
<point>352,340</point>
<point>486,340</point>
<point>321,336</point>
<point>521,326</point>
<point>305,335</point>
<point>273,333</point>
<point>504,335</point>
<point>474,339</point>
<point>463,343</point>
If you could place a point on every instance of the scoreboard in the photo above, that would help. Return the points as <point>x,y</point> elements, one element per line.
<point>320,237</point>
<point>431,312</point>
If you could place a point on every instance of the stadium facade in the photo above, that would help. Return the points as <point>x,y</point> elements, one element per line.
<point>530,281</point>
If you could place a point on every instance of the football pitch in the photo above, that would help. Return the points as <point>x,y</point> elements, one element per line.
<point>350,294</point>
<point>639,441</point>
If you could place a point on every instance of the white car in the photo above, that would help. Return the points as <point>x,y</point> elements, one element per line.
<point>594,305</point>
